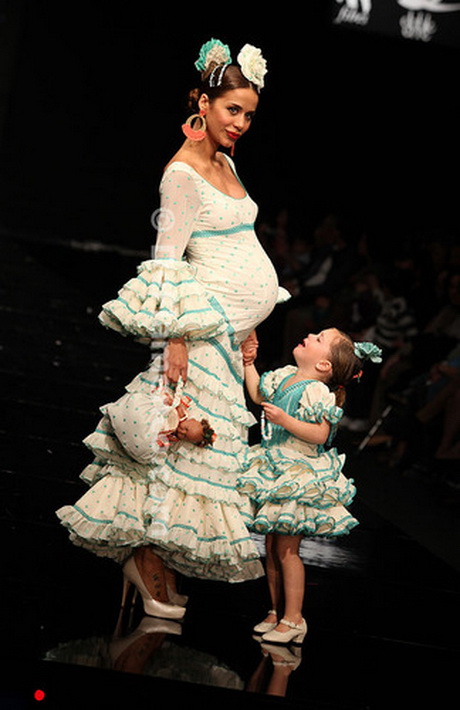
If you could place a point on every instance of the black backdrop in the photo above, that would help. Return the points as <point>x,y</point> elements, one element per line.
<point>359,121</point>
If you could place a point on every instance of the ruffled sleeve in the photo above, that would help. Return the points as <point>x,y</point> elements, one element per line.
<point>317,404</point>
<point>271,380</point>
<point>164,299</point>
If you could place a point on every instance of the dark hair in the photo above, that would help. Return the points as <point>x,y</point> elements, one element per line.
<point>208,434</point>
<point>230,77</point>
<point>346,366</point>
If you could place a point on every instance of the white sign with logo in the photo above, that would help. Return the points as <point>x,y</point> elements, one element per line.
<point>421,20</point>
<point>355,12</point>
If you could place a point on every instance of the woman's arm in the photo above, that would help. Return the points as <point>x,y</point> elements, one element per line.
<point>180,204</point>
<point>313,433</point>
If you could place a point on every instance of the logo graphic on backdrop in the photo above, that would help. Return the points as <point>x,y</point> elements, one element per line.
<point>354,12</point>
<point>430,5</point>
<point>418,22</point>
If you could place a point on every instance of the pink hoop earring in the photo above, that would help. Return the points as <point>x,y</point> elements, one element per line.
<point>195,134</point>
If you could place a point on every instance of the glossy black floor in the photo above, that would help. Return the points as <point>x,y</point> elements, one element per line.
<point>381,605</point>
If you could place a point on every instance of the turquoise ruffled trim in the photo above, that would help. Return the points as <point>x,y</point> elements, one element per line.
<point>318,412</point>
<point>164,300</point>
<point>294,493</point>
<point>185,502</point>
<point>320,524</point>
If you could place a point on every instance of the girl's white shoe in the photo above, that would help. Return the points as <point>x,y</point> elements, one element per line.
<point>295,634</point>
<point>265,626</point>
<point>283,656</point>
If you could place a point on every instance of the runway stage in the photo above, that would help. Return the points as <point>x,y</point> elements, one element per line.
<point>381,605</point>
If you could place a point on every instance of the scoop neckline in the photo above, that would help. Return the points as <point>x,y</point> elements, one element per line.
<point>238,199</point>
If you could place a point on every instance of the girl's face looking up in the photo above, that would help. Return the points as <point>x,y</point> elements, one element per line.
<point>315,348</point>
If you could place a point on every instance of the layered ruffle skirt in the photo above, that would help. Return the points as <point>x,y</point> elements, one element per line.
<point>295,491</point>
<point>184,502</point>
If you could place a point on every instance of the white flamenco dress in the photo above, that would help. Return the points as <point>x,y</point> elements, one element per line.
<point>212,283</point>
<point>298,488</point>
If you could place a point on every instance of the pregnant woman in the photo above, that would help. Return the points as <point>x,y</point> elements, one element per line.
<point>208,286</point>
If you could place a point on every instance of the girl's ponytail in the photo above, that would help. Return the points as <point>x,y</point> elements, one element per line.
<point>347,363</point>
<point>346,367</point>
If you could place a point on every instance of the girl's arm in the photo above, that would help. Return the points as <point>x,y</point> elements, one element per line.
<point>312,432</point>
<point>252,379</point>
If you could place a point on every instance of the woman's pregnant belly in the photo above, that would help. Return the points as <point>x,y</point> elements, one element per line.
<point>239,275</point>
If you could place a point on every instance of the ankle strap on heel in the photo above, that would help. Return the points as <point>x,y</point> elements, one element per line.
<point>291,624</point>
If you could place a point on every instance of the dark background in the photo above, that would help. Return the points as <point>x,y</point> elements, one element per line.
<point>94,96</point>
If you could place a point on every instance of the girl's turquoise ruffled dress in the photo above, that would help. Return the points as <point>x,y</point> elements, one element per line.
<point>298,488</point>
<point>215,289</point>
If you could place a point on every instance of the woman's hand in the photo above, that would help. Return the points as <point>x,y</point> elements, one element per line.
<point>176,360</point>
<point>249,348</point>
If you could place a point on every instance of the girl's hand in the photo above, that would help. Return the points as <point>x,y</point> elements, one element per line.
<point>249,358</point>
<point>274,414</point>
<point>176,360</point>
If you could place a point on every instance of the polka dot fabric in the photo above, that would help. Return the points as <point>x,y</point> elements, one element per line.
<point>212,283</point>
<point>298,488</point>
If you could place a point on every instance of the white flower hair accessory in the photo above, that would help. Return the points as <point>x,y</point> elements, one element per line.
<point>253,65</point>
<point>216,56</point>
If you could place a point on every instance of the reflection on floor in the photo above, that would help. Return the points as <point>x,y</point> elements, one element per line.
<point>381,605</point>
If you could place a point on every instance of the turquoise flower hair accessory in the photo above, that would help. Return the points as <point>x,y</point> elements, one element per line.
<point>213,52</point>
<point>216,56</point>
<point>368,351</point>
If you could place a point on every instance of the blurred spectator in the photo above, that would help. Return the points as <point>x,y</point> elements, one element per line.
<point>393,331</point>
<point>334,259</point>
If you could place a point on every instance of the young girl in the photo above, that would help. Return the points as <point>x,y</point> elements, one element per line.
<point>294,481</point>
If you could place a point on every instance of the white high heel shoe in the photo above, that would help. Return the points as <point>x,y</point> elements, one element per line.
<point>295,634</point>
<point>149,625</point>
<point>265,626</point>
<point>176,598</point>
<point>152,607</point>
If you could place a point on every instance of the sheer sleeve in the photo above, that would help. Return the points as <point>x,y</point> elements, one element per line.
<point>164,299</point>
<point>179,207</point>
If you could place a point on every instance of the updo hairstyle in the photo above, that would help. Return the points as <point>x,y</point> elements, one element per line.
<point>231,79</point>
